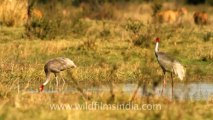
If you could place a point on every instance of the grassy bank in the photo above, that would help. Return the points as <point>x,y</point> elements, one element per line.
<point>97,55</point>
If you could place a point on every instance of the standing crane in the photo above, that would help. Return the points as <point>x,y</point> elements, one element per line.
<point>55,66</point>
<point>168,64</point>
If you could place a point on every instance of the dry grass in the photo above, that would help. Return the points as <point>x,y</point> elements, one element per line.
<point>37,106</point>
<point>13,12</point>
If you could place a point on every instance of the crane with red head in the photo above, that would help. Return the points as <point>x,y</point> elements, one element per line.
<point>168,65</point>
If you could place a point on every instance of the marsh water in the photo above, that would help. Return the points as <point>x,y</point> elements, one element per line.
<point>190,91</point>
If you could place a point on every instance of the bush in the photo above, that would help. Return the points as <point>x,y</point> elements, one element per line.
<point>134,26</point>
<point>143,41</point>
<point>210,2</point>
<point>156,7</point>
<point>43,29</point>
<point>195,2</point>
<point>92,2</point>
<point>99,11</point>
<point>140,36</point>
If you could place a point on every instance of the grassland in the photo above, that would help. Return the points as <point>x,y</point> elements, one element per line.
<point>120,49</point>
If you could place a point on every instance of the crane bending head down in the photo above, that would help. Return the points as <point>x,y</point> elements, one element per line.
<point>55,66</point>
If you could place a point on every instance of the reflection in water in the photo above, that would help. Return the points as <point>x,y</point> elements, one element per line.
<point>191,91</point>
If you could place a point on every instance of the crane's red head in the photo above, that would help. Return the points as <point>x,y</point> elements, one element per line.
<point>157,39</point>
<point>41,88</point>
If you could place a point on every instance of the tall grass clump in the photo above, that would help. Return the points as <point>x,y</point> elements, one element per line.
<point>45,25</point>
<point>13,12</point>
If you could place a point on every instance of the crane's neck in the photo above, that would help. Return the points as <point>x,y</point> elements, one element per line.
<point>47,79</point>
<point>46,82</point>
<point>156,47</point>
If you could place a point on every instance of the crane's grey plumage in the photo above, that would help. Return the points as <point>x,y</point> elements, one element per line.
<point>55,66</point>
<point>169,64</point>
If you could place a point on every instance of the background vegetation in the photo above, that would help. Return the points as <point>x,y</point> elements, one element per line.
<point>108,40</point>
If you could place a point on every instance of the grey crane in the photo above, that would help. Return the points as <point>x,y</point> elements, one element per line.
<point>55,66</point>
<point>169,64</point>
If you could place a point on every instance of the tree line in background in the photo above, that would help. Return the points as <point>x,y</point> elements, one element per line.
<point>40,22</point>
<point>78,2</point>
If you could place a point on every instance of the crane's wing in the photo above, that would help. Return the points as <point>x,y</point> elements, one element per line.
<point>165,61</point>
<point>170,64</point>
<point>65,63</point>
<point>58,64</point>
<point>179,70</point>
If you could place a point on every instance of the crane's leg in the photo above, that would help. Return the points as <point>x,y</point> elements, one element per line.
<point>136,91</point>
<point>57,82</point>
<point>63,81</point>
<point>111,86</point>
<point>172,85</point>
<point>164,82</point>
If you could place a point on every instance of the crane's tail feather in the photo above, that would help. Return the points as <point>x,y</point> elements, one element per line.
<point>179,70</point>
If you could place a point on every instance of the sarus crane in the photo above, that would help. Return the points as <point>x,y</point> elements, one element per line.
<point>168,64</point>
<point>55,66</point>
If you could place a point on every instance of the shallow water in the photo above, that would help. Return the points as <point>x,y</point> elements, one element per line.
<point>191,91</point>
